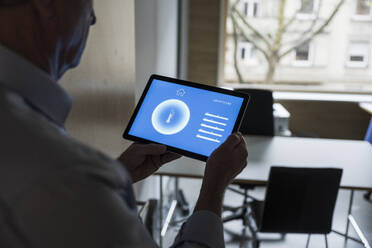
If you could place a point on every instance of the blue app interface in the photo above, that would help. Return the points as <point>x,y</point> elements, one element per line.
<point>190,119</point>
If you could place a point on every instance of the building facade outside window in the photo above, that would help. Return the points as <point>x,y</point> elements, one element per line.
<point>358,54</point>
<point>336,60</point>
<point>303,55</point>
<point>307,9</point>
<point>363,10</point>
<point>251,8</point>
<point>247,53</point>
<point>307,6</point>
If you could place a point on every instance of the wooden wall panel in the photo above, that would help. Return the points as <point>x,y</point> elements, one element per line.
<point>103,85</point>
<point>335,120</point>
<point>203,37</point>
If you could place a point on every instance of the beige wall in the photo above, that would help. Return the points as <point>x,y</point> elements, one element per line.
<point>203,41</point>
<point>103,85</point>
<point>324,119</point>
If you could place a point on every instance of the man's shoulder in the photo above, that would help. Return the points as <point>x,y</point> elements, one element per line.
<point>34,149</point>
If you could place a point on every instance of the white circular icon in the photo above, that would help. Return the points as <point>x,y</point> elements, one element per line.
<point>170,117</point>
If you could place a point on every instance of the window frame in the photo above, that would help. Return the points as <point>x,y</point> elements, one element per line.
<point>304,63</point>
<point>307,16</point>
<point>250,11</point>
<point>344,82</point>
<point>248,60</point>
<point>356,64</point>
<point>358,17</point>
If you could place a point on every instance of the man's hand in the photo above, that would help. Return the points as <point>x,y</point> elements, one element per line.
<point>225,163</point>
<point>142,160</point>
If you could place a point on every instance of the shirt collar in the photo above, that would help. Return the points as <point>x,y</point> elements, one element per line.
<point>35,85</point>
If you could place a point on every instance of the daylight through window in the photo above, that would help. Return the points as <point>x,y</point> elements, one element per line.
<point>314,45</point>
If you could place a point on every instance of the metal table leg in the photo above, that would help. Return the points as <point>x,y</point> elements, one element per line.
<point>346,234</point>
<point>171,209</point>
<point>169,217</point>
<point>348,214</point>
<point>182,203</point>
<point>308,240</point>
<point>359,232</point>
<point>161,211</point>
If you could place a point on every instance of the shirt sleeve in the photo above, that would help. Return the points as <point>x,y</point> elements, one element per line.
<point>202,229</point>
<point>78,211</point>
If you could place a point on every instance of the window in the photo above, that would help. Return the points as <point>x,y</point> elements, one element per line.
<point>358,54</point>
<point>251,8</point>
<point>335,60</point>
<point>247,53</point>
<point>363,10</point>
<point>307,9</point>
<point>303,55</point>
<point>307,6</point>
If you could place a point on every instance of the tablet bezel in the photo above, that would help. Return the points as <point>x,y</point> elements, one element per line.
<point>186,153</point>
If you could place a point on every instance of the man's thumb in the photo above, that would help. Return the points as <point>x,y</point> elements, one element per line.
<point>233,140</point>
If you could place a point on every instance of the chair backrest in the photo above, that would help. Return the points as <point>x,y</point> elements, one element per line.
<point>300,200</point>
<point>369,133</point>
<point>258,118</point>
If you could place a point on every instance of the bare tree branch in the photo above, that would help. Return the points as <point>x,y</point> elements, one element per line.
<point>233,6</point>
<point>246,37</point>
<point>294,16</point>
<point>249,26</point>
<point>313,23</point>
<point>318,31</point>
<point>272,46</point>
<point>311,27</point>
<point>280,31</point>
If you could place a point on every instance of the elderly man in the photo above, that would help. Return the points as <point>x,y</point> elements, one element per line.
<point>54,191</point>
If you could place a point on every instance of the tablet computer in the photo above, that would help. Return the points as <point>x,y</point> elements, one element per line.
<point>190,119</point>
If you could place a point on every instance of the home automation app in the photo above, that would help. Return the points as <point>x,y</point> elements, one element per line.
<point>188,118</point>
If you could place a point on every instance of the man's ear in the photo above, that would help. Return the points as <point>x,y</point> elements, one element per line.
<point>45,8</point>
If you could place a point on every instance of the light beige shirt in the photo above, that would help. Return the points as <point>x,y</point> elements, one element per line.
<point>56,192</point>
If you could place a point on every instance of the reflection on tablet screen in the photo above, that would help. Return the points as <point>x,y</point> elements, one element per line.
<point>188,118</point>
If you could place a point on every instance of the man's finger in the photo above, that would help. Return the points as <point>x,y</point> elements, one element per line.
<point>242,151</point>
<point>150,149</point>
<point>233,140</point>
<point>168,157</point>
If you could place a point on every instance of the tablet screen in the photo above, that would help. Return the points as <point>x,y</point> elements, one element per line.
<point>188,118</point>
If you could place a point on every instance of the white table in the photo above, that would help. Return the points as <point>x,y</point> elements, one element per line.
<point>366,106</point>
<point>354,157</point>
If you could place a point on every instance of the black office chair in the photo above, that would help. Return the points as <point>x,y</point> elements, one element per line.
<point>368,138</point>
<point>259,116</point>
<point>368,196</point>
<point>147,214</point>
<point>298,200</point>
